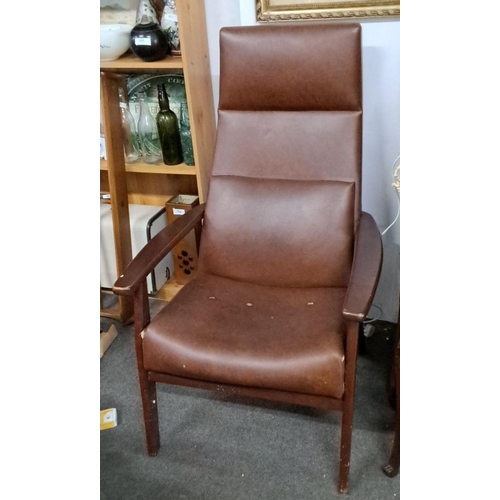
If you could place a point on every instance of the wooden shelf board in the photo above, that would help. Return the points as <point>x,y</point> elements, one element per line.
<point>161,168</point>
<point>168,291</point>
<point>129,62</point>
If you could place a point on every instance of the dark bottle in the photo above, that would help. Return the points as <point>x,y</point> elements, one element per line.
<point>168,129</point>
<point>147,40</point>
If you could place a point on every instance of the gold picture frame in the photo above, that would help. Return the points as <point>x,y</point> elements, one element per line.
<point>310,10</point>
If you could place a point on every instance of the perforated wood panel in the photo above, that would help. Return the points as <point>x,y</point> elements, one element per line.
<point>185,253</point>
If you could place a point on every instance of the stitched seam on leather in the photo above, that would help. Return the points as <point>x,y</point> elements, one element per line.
<point>339,181</point>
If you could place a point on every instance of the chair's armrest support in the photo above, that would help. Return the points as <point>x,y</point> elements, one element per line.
<point>154,251</point>
<point>365,272</point>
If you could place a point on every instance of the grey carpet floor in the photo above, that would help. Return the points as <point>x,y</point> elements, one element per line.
<point>220,447</point>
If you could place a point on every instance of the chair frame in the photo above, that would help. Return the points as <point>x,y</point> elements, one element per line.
<point>365,273</point>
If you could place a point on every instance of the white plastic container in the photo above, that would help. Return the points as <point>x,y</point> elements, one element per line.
<point>141,217</point>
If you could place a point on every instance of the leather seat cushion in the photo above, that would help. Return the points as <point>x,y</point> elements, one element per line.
<point>225,331</point>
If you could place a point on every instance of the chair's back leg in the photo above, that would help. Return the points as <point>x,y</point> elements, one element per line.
<point>148,388</point>
<point>348,405</point>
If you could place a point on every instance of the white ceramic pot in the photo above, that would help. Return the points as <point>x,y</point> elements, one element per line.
<point>115,40</point>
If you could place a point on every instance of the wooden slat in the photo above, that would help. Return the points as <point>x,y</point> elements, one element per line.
<point>197,77</point>
<point>322,402</point>
<point>117,181</point>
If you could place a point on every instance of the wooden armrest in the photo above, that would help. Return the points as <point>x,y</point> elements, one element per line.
<point>154,251</point>
<point>365,272</point>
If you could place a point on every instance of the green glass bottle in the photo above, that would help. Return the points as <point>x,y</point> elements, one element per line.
<point>168,128</point>
<point>185,132</point>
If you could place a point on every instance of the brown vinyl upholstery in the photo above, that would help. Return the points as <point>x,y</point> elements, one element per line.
<point>272,308</point>
<point>291,233</point>
<point>259,345</point>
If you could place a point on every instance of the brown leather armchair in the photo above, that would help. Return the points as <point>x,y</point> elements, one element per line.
<point>288,262</point>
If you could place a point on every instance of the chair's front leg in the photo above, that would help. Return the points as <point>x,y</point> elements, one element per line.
<point>348,405</point>
<point>148,388</point>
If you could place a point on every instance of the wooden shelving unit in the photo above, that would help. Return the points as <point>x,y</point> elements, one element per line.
<point>154,184</point>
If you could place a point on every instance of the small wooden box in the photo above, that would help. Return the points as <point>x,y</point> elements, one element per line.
<point>185,253</point>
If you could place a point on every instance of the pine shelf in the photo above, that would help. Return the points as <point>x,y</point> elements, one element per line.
<point>129,63</point>
<point>160,168</point>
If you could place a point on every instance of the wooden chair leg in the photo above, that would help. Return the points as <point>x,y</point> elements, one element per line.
<point>392,468</point>
<point>348,406</point>
<point>345,447</point>
<point>150,413</point>
<point>148,388</point>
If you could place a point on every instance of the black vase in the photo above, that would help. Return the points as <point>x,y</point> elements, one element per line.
<point>148,42</point>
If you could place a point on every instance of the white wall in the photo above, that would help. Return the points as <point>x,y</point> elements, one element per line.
<point>381,110</point>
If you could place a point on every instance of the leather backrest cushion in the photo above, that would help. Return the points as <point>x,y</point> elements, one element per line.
<point>291,67</point>
<point>305,145</point>
<point>294,145</point>
<point>275,232</point>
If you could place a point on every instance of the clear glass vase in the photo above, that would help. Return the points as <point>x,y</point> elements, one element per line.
<point>131,146</point>
<point>148,133</point>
